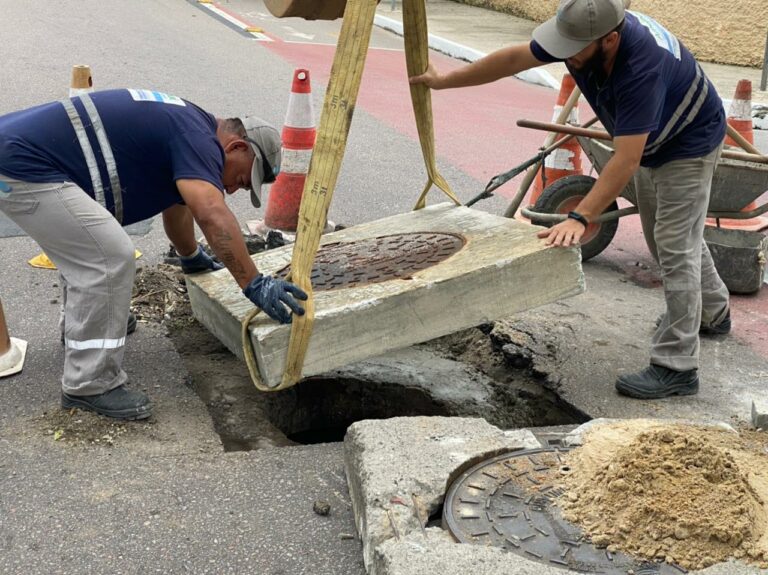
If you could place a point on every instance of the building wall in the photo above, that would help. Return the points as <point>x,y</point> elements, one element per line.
<point>719,31</point>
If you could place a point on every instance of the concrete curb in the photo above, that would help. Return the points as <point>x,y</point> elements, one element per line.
<point>461,52</point>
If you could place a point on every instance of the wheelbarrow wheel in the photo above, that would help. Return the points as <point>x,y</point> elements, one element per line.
<point>563,196</point>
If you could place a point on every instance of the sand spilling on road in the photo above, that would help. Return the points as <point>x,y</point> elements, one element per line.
<point>690,495</point>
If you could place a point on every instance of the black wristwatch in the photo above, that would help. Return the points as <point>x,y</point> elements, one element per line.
<point>578,217</point>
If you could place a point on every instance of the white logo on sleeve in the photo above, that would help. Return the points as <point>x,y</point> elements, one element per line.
<point>151,96</point>
<point>663,37</point>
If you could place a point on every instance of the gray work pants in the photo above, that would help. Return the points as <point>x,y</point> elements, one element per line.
<point>672,200</point>
<point>96,260</point>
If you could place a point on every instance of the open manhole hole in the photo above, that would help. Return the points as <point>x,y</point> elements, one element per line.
<point>376,260</point>
<point>508,501</point>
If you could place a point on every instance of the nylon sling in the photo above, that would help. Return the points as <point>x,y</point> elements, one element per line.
<point>335,121</point>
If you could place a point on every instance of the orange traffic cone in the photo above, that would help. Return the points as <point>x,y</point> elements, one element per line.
<point>740,113</point>
<point>566,160</point>
<point>740,119</point>
<point>82,81</point>
<point>298,136</point>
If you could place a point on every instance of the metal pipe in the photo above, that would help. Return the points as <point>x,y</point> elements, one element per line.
<point>764,79</point>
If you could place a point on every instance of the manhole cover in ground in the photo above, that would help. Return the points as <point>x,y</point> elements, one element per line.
<point>376,260</point>
<point>508,501</point>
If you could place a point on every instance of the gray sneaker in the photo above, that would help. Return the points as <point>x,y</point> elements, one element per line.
<point>657,381</point>
<point>118,403</point>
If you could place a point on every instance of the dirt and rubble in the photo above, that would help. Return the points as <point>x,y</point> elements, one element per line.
<point>690,495</point>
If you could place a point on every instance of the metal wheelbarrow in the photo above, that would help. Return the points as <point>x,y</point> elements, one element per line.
<point>739,180</point>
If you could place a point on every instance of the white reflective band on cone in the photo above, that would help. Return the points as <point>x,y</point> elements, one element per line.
<point>300,111</point>
<point>560,159</point>
<point>573,117</point>
<point>295,161</point>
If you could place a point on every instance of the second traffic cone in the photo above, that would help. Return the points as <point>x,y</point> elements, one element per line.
<point>82,81</point>
<point>566,160</point>
<point>740,113</point>
<point>740,119</point>
<point>298,136</point>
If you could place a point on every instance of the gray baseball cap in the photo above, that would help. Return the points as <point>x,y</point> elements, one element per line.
<point>267,145</point>
<point>577,24</point>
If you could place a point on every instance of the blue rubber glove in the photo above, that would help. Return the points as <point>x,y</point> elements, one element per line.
<point>273,295</point>
<point>199,261</point>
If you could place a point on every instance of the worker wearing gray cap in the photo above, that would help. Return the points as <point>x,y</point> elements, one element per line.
<point>668,124</point>
<point>73,172</point>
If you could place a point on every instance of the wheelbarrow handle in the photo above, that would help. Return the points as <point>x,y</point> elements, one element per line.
<point>564,129</point>
<point>600,135</point>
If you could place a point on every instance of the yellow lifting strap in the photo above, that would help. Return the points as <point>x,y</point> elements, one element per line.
<point>417,59</point>
<point>330,144</point>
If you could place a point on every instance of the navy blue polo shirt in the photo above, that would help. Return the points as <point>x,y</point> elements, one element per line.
<point>155,139</point>
<point>651,80</point>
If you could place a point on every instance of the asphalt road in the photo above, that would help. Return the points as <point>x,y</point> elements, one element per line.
<point>165,497</point>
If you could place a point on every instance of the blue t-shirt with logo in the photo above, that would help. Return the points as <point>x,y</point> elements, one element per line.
<point>653,88</point>
<point>156,139</point>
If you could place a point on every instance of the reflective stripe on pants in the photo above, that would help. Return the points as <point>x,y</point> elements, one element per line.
<point>672,200</point>
<point>95,257</point>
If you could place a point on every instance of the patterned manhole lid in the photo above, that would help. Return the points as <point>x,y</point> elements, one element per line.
<point>376,260</point>
<point>507,501</point>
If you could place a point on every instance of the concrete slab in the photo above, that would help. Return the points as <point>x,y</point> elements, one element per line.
<point>760,413</point>
<point>503,268</point>
<point>387,461</point>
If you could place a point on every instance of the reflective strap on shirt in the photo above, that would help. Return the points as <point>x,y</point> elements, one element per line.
<point>90,157</point>
<point>665,136</point>
<point>106,151</point>
<point>85,146</point>
<point>95,343</point>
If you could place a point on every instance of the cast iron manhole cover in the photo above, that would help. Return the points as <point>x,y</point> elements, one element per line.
<point>376,260</point>
<point>507,501</point>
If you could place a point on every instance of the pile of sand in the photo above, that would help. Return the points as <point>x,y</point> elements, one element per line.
<point>690,495</point>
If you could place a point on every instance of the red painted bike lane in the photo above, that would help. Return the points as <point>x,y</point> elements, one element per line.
<point>476,131</point>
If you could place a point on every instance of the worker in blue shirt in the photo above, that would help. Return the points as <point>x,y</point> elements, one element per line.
<point>73,172</point>
<point>668,125</point>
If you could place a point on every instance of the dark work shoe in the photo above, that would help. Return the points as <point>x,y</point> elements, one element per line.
<point>118,403</point>
<point>722,328</point>
<point>656,381</point>
<point>132,322</point>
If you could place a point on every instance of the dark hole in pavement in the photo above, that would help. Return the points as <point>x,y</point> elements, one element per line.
<point>436,518</point>
<point>320,409</point>
<point>480,372</point>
